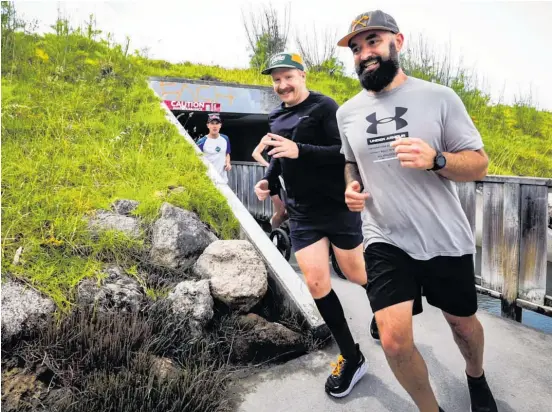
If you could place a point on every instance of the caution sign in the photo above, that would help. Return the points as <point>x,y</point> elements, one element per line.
<point>193,106</point>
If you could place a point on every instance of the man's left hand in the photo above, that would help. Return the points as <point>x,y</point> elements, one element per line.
<point>282,147</point>
<point>414,153</point>
<point>228,167</point>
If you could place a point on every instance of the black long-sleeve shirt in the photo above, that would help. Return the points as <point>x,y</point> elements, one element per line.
<point>314,182</point>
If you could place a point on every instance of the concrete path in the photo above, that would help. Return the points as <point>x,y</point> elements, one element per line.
<point>518,365</point>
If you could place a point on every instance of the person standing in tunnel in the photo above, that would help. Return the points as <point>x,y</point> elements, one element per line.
<point>216,146</point>
<point>305,148</point>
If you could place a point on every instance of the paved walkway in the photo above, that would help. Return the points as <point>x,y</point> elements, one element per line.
<point>518,365</point>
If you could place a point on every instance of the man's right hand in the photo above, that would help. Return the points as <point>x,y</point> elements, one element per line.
<point>261,189</point>
<point>354,198</point>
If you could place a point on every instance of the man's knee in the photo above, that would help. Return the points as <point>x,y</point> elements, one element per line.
<point>395,329</point>
<point>397,343</point>
<point>319,284</point>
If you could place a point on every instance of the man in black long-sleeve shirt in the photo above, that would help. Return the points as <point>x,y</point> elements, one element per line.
<point>307,154</point>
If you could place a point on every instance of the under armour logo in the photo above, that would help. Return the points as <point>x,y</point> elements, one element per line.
<point>399,121</point>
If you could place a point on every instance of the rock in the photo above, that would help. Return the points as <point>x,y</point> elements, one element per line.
<point>164,368</point>
<point>236,271</point>
<point>105,220</point>
<point>22,308</point>
<point>124,206</point>
<point>116,292</point>
<point>193,300</point>
<point>21,390</point>
<point>179,237</point>
<point>17,256</point>
<point>262,340</point>
<point>176,190</point>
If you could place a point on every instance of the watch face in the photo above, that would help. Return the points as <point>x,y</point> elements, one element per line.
<point>440,161</point>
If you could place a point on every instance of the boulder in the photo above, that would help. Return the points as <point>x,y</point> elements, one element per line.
<point>116,292</point>
<point>22,391</point>
<point>104,220</point>
<point>236,271</point>
<point>164,368</point>
<point>179,238</point>
<point>124,206</point>
<point>262,340</point>
<point>22,308</point>
<point>193,300</point>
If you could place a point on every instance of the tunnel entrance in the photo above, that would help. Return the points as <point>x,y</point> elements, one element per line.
<point>244,130</point>
<point>244,112</point>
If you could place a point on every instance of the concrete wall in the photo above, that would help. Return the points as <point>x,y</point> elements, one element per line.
<point>232,98</point>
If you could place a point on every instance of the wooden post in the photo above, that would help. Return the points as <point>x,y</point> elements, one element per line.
<point>493,236</point>
<point>510,251</point>
<point>500,244</point>
<point>466,193</point>
<point>534,218</point>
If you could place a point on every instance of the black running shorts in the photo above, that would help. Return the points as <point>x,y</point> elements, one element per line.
<point>343,229</point>
<point>448,282</point>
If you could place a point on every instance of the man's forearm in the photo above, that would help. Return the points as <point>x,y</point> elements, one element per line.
<point>259,158</point>
<point>321,154</point>
<point>273,170</point>
<point>466,166</point>
<point>352,174</point>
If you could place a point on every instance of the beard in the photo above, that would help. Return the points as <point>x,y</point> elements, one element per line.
<point>379,79</point>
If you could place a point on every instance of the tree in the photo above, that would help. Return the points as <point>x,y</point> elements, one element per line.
<point>319,51</point>
<point>267,34</point>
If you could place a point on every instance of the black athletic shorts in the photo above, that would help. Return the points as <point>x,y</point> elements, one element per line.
<point>448,282</point>
<point>343,229</point>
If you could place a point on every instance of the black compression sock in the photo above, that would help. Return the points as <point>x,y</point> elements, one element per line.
<point>332,312</point>
<point>471,379</point>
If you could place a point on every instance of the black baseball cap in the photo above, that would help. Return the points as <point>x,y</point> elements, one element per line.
<point>213,117</point>
<point>371,20</point>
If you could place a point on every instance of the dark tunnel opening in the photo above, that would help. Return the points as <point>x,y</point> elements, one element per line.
<point>244,130</point>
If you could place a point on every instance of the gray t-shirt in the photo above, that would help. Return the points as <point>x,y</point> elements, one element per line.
<point>416,210</point>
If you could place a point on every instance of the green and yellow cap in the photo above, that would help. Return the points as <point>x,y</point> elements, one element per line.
<point>284,60</point>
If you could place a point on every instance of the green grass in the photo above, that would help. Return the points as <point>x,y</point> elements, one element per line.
<point>81,128</point>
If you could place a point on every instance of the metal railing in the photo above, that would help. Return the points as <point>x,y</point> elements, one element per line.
<point>509,217</point>
<point>242,179</point>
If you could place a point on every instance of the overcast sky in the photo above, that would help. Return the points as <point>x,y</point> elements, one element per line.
<point>506,43</point>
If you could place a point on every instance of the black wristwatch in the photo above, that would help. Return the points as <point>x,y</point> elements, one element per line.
<point>439,162</point>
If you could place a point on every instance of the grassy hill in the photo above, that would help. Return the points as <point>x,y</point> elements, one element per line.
<point>81,128</point>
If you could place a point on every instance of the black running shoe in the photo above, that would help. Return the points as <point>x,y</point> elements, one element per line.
<point>345,375</point>
<point>374,329</point>
<point>482,399</point>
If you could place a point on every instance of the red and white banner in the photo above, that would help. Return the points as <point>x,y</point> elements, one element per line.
<point>193,106</point>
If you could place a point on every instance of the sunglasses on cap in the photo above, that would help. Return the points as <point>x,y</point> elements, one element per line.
<point>213,118</point>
